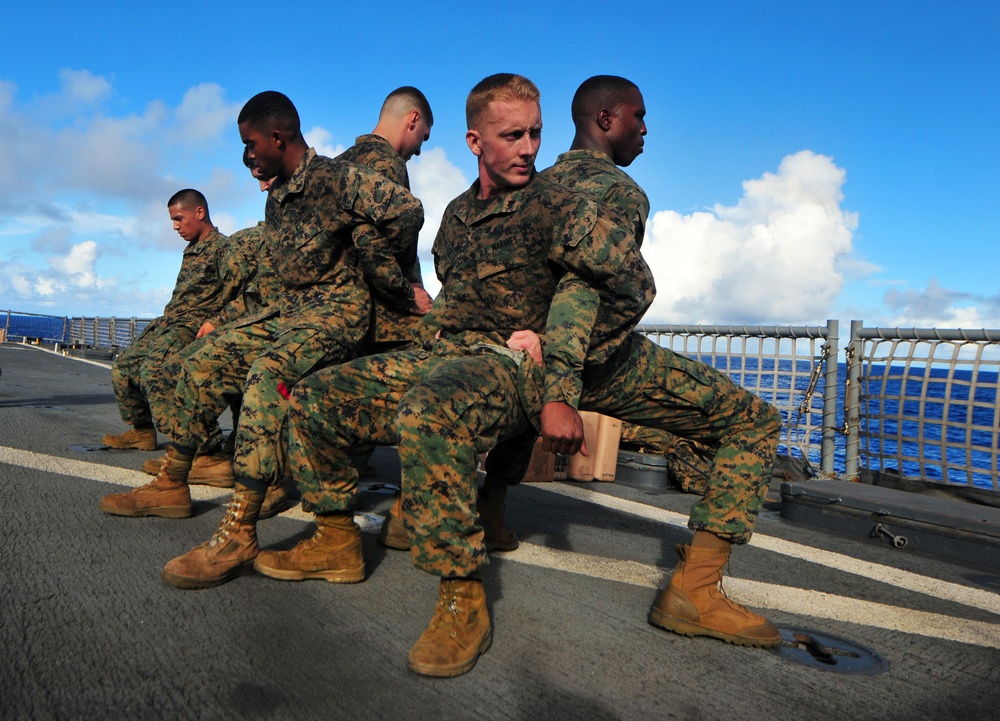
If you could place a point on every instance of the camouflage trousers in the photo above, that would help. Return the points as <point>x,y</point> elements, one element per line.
<point>252,360</point>
<point>138,372</point>
<point>444,407</point>
<point>659,389</point>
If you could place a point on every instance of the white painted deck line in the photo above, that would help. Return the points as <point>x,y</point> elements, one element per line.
<point>805,602</point>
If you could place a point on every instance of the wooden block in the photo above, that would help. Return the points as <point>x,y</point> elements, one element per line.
<point>602,434</point>
<point>541,468</point>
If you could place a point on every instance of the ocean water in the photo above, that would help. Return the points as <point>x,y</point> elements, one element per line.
<point>936,424</point>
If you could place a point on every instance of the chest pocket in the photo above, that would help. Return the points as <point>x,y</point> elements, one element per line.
<point>307,255</point>
<point>504,256</point>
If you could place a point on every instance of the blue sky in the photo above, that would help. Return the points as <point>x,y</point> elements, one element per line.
<point>804,160</point>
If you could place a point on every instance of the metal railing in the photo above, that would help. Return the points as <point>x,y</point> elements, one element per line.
<point>925,404</point>
<point>95,332</point>
<point>105,332</point>
<point>792,367</point>
<point>915,403</point>
<point>33,327</point>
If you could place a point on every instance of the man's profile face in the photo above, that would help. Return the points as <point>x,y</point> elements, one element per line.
<point>628,126</point>
<point>506,142</point>
<point>187,221</point>
<point>262,149</point>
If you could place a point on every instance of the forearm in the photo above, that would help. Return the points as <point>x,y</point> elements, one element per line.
<point>570,323</point>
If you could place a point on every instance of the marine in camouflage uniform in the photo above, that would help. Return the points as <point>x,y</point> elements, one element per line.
<point>645,384</point>
<point>390,325</point>
<point>203,287</point>
<point>629,377</point>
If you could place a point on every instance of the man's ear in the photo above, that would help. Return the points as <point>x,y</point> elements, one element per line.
<point>604,119</point>
<point>199,212</point>
<point>413,119</point>
<point>278,138</point>
<point>472,138</point>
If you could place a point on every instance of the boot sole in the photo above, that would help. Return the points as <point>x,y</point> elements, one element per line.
<point>160,511</point>
<point>244,569</point>
<point>131,447</point>
<point>455,669</point>
<point>687,628</point>
<point>349,575</point>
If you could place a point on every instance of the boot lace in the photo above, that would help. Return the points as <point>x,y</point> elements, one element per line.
<point>228,522</point>
<point>446,611</point>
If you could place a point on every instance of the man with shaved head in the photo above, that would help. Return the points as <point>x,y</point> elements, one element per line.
<point>404,124</point>
<point>629,377</point>
<point>202,290</point>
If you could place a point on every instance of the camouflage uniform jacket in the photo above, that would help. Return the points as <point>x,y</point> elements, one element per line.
<point>530,258</point>
<point>240,268</point>
<point>332,226</point>
<point>625,297</point>
<point>595,173</point>
<point>200,291</point>
<point>375,152</point>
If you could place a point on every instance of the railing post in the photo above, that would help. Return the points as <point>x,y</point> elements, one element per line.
<point>852,399</point>
<point>828,446</point>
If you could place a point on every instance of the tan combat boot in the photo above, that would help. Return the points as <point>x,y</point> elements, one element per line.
<point>694,604</point>
<point>166,496</point>
<point>393,533</point>
<point>491,506</point>
<point>333,553</point>
<point>140,439</point>
<point>228,554</point>
<point>211,469</point>
<point>278,499</point>
<point>458,633</point>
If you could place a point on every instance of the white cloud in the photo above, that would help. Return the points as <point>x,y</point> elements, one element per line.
<point>204,115</point>
<point>85,181</point>
<point>78,266</point>
<point>321,139</point>
<point>84,86</point>
<point>938,307</point>
<point>73,273</point>
<point>436,181</point>
<point>775,257</point>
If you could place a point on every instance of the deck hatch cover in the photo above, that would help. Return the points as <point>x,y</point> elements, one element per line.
<point>829,653</point>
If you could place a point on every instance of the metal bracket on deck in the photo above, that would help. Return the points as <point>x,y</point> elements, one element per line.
<point>881,530</point>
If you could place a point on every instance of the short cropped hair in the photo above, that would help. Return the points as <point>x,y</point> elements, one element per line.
<point>411,96</point>
<point>503,87</point>
<point>600,92</point>
<point>188,198</point>
<point>270,109</point>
